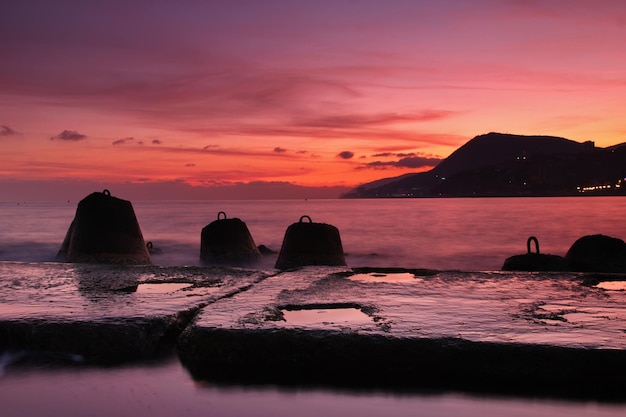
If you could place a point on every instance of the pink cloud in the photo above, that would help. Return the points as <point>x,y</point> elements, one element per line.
<point>395,79</point>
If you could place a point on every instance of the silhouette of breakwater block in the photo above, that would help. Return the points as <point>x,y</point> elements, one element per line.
<point>104,230</point>
<point>597,253</point>
<point>308,243</point>
<point>227,241</point>
<point>535,261</point>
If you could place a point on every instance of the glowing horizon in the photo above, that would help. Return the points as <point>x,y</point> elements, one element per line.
<point>324,95</point>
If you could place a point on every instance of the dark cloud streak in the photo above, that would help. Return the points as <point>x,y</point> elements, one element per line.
<point>413,162</point>
<point>7,131</point>
<point>123,141</point>
<point>346,121</point>
<point>70,136</point>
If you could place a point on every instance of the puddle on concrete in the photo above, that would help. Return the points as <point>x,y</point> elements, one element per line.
<point>326,316</point>
<point>612,285</point>
<point>381,277</point>
<point>161,288</point>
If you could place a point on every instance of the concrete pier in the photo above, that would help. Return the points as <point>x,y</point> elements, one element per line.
<point>392,329</point>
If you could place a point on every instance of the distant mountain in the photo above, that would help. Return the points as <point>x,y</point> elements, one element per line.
<point>498,164</point>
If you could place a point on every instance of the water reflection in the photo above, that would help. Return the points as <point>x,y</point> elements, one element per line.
<point>161,288</point>
<point>382,277</point>
<point>326,316</point>
<point>164,389</point>
<point>612,285</point>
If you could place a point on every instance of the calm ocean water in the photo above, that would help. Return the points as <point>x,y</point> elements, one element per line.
<point>465,234</point>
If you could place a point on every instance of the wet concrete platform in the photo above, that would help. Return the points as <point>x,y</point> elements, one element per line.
<point>96,314</point>
<point>544,334</point>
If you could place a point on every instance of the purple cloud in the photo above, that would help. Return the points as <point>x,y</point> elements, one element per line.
<point>123,141</point>
<point>156,141</point>
<point>7,131</point>
<point>359,120</point>
<point>392,154</point>
<point>69,135</point>
<point>279,150</point>
<point>346,154</point>
<point>409,162</point>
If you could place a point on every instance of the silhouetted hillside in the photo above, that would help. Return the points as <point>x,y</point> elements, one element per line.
<point>498,164</point>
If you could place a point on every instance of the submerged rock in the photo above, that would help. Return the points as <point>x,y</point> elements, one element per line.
<point>308,243</point>
<point>104,230</point>
<point>225,241</point>
<point>535,261</point>
<point>597,253</point>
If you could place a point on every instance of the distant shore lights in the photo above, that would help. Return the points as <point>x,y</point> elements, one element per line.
<point>602,187</point>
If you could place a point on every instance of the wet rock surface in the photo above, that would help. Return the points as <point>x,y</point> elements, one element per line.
<point>548,334</point>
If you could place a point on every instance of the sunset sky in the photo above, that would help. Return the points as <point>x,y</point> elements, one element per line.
<point>289,99</point>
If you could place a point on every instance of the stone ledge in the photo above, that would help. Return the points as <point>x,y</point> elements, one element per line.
<point>97,342</point>
<point>309,357</point>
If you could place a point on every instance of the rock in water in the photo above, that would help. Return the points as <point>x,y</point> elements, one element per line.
<point>597,253</point>
<point>104,230</point>
<point>308,243</point>
<point>535,261</point>
<point>226,241</point>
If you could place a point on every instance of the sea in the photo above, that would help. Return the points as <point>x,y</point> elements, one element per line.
<point>459,234</point>
<point>468,234</point>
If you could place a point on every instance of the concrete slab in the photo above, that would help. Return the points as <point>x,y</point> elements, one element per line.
<point>103,314</point>
<point>548,334</point>
<point>482,331</point>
